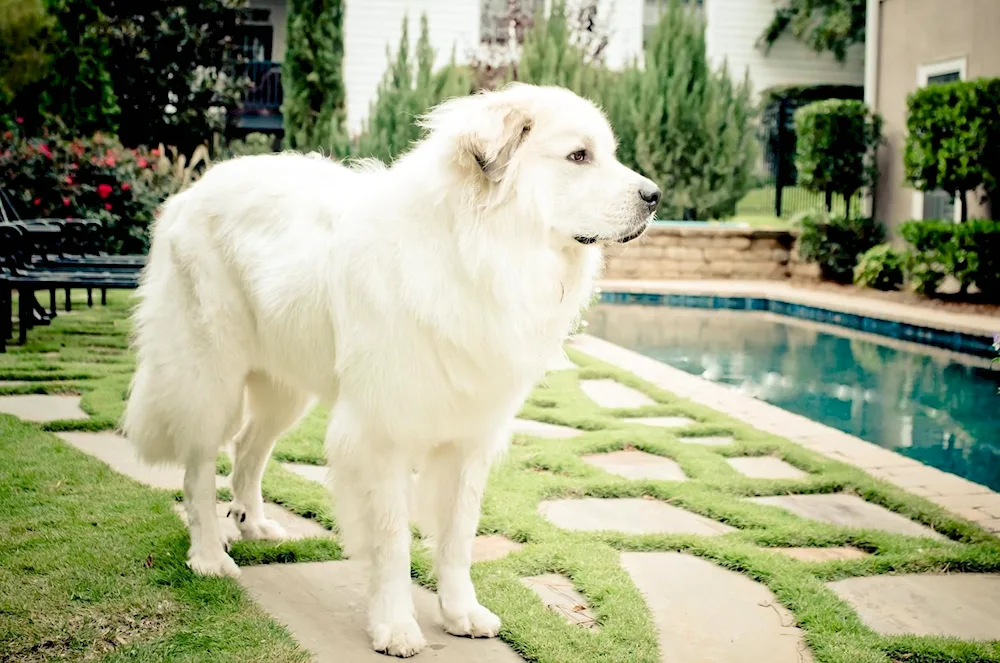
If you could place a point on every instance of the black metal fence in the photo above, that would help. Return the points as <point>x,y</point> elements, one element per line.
<point>265,91</point>
<point>777,192</point>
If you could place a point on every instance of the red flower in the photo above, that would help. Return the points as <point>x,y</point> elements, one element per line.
<point>107,206</point>
<point>19,120</point>
<point>74,166</point>
<point>44,149</point>
<point>154,152</point>
<point>142,162</point>
<point>37,201</point>
<point>77,149</point>
<point>109,162</point>
<point>69,179</point>
<point>104,190</point>
<point>126,186</point>
<point>66,201</point>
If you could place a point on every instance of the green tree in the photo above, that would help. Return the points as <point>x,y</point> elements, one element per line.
<point>835,148</point>
<point>405,95</point>
<point>313,77</point>
<point>174,82</point>
<point>550,55</point>
<point>692,126</point>
<point>822,25</point>
<point>25,33</point>
<point>953,138</point>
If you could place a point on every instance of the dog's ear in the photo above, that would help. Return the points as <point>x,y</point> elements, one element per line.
<point>486,130</point>
<point>494,140</point>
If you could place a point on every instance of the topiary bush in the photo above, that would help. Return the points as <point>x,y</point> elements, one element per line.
<point>835,149</point>
<point>835,243</point>
<point>953,134</point>
<point>881,267</point>
<point>969,252</point>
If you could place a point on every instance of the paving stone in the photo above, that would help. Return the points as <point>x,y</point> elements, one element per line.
<point>42,407</point>
<point>847,511</point>
<point>709,441</point>
<point>961,605</point>
<point>613,394</point>
<point>661,422</point>
<point>317,473</point>
<point>324,606</point>
<point>822,554</point>
<point>295,526</point>
<point>704,613</point>
<point>13,383</point>
<point>629,515</point>
<point>119,453</point>
<point>542,429</point>
<point>765,467</point>
<point>493,546</point>
<point>633,464</point>
<point>558,595</point>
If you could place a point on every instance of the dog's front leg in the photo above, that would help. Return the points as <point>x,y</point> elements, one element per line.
<point>456,478</point>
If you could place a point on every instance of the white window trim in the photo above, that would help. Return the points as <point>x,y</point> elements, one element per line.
<point>924,73</point>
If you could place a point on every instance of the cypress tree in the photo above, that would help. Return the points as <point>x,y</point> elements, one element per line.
<point>313,78</point>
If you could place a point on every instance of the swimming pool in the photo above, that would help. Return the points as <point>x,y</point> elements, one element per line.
<point>941,408</point>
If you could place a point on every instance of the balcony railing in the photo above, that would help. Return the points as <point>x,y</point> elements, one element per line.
<point>265,91</point>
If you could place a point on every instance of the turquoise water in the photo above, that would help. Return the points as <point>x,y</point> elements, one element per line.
<point>939,408</point>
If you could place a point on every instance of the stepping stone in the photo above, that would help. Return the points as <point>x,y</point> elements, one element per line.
<point>661,422</point>
<point>961,605</point>
<point>765,467</point>
<point>613,394</point>
<point>633,464</point>
<point>822,554</point>
<point>119,453</point>
<point>558,595</point>
<point>489,547</point>
<point>561,363</point>
<point>628,515</point>
<point>13,383</point>
<point>709,441</point>
<point>324,606</point>
<point>317,473</point>
<point>847,511</point>
<point>542,429</point>
<point>703,612</point>
<point>43,407</point>
<point>296,527</point>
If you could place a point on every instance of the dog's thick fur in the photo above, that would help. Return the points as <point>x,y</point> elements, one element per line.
<point>422,302</point>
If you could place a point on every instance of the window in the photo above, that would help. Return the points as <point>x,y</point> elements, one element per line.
<point>497,15</point>
<point>938,204</point>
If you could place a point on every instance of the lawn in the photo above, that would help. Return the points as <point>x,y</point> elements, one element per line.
<point>91,563</point>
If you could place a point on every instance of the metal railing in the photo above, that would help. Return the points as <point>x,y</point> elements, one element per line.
<point>265,85</point>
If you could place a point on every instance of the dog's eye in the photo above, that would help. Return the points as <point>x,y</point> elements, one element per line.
<point>578,157</point>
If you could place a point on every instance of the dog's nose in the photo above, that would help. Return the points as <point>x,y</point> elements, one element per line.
<point>651,196</point>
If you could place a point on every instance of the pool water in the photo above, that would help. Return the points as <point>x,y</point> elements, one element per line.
<point>937,407</point>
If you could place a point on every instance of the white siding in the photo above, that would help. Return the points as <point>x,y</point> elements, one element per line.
<point>372,25</point>
<point>623,19</point>
<point>733,27</point>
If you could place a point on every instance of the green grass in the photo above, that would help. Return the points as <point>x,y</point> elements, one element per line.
<point>70,589</point>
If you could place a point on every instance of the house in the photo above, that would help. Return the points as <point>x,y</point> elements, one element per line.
<point>372,26</point>
<point>919,43</point>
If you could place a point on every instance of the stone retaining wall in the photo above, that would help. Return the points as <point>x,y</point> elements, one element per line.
<point>705,252</point>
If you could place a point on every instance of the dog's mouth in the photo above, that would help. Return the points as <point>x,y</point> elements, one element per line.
<point>584,239</point>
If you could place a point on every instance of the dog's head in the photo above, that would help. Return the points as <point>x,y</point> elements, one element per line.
<point>549,156</point>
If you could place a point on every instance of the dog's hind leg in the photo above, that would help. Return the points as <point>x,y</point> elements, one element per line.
<point>271,409</point>
<point>449,492</point>
<point>371,486</point>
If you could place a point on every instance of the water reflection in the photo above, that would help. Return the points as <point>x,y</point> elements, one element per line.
<point>921,402</point>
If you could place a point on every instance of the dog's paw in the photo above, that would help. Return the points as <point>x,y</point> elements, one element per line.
<point>217,564</point>
<point>402,639</point>
<point>259,529</point>
<point>478,622</point>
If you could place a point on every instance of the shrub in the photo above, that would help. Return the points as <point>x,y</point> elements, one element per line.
<point>95,178</point>
<point>692,128</point>
<point>835,243</point>
<point>969,252</point>
<point>253,143</point>
<point>550,56</point>
<point>25,32</point>
<point>881,267</point>
<point>313,77</point>
<point>953,133</point>
<point>836,143</point>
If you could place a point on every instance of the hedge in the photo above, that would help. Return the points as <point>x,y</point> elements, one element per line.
<point>969,252</point>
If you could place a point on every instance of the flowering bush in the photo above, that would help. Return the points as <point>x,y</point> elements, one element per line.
<point>93,178</point>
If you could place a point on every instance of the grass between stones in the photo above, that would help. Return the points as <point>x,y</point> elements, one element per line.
<point>91,563</point>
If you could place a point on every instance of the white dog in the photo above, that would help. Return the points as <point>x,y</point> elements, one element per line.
<point>422,302</point>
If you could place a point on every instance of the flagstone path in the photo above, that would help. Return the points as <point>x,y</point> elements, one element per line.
<point>702,611</point>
